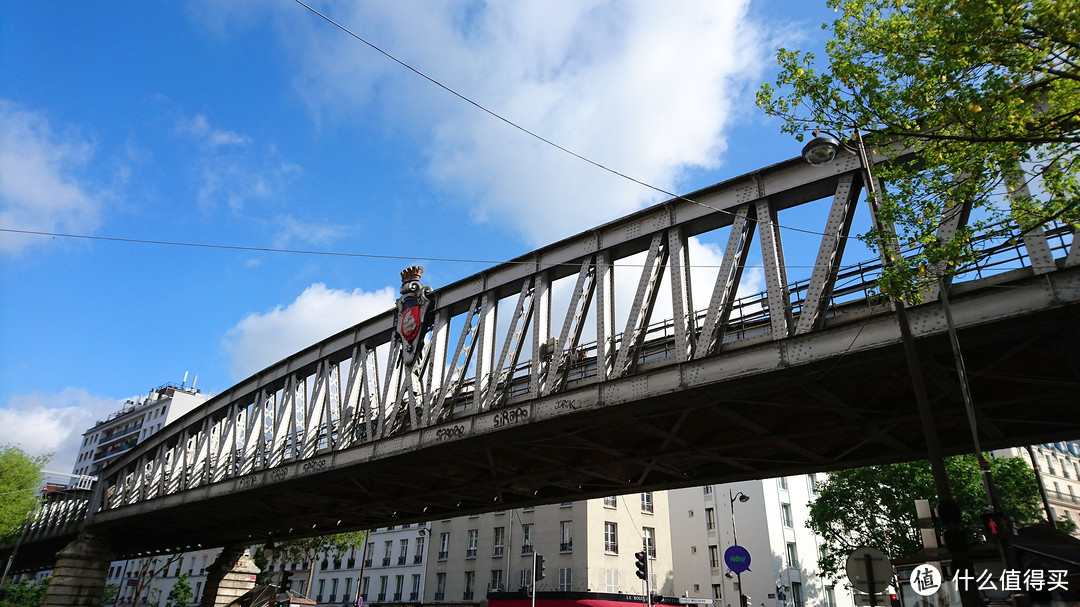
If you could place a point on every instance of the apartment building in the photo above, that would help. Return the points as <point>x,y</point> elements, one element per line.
<point>767,518</point>
<point>133,423</point>
<point>586,546</point>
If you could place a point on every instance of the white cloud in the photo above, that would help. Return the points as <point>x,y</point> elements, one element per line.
<point>53,423</point>
<point>199,128</point>
<point>640,86</point>
<point>230,170</point>
<point>292,229</point>
<point>40,189</point>
<point>260,340</point>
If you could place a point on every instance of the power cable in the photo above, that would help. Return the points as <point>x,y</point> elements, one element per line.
<point>528,132</point>
<point>203,245</point>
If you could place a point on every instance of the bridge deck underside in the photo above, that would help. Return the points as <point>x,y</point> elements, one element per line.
<point>848,410</point>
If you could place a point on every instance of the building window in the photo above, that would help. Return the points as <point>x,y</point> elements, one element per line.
<point>566,536</point>
<point>647,502</point>
<point>812,479</point>
<point>474,539</point>
<point>830,596</point>
<point>792,555</point>
<point>496,579</point>
<point>440,586</point>
<point>648,541</point>
<point>566,579</point>
<point>714,557</point>
<point>418,557</point>
<point>710,518</point>
<point>333,590</point>
<point>399,586</point>
<point>609,502</point>
<point>611,538</point>
<point>444,546</point>
<point>414,595</point>
<point>526,539</point>
<point>611,580</point>
<point>717,590</point>
<point>526,578</point>
<point>388,547</point>
<point>404,552</point>
<point>500,542</point>
<point>782,482</point>
<point>796,594</point>
<point>785,514</point>
<point>707,489</point>
<point>383,581</point>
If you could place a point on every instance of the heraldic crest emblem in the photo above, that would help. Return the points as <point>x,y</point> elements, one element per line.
<point>411,322</point>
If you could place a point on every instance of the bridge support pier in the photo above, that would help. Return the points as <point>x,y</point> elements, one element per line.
<point>78,580</point>
<point>229,577</point>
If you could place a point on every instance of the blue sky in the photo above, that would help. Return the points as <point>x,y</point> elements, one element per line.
<point>254,123</point>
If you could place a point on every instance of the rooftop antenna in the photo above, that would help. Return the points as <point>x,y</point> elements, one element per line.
<point>185,379</point>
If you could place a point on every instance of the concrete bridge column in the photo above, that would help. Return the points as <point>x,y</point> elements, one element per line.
<point>231,575</point>
<point>78,580</point>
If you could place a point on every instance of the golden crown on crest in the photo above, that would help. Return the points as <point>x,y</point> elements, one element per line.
<point>411,273</point>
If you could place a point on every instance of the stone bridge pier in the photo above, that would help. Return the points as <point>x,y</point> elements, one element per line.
<point>82,568</point>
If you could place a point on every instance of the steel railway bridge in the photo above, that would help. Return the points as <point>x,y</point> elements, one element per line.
<point>526,391</point>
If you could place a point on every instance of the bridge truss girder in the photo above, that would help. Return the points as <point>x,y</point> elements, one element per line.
<point>806,377</point>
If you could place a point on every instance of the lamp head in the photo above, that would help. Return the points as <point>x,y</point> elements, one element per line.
<point>820,150</point>
<point>744,498</point>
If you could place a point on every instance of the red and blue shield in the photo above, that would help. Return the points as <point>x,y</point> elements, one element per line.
<point>411,319</point>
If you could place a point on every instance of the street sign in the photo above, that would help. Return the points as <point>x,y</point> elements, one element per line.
<point>737,559</point>
<point>869,570</point>
<point>689,600</point>
<point>877,600</point>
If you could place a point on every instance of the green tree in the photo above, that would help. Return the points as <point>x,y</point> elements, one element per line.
<point>875,506</point>
<point>20,479</point>
<point>109,597</point>
<point>262,561</point>
<point>308,549</point>
<point>181,594</point>
<point>975,90</point>
<point>24,593</point>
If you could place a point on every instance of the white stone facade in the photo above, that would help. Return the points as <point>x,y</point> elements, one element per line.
<point>770,522</point>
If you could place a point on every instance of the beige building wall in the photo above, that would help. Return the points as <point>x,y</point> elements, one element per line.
<point>586,545</point>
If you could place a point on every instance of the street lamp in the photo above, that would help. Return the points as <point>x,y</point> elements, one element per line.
<point>822,149</point>
<point>743,498</point>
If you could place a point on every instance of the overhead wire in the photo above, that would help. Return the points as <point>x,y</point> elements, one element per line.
<point>204,245</point>
<point>525,130</point>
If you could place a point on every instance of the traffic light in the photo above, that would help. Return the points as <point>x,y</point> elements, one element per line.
<point>539,567</point>
<point>642,564</point>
